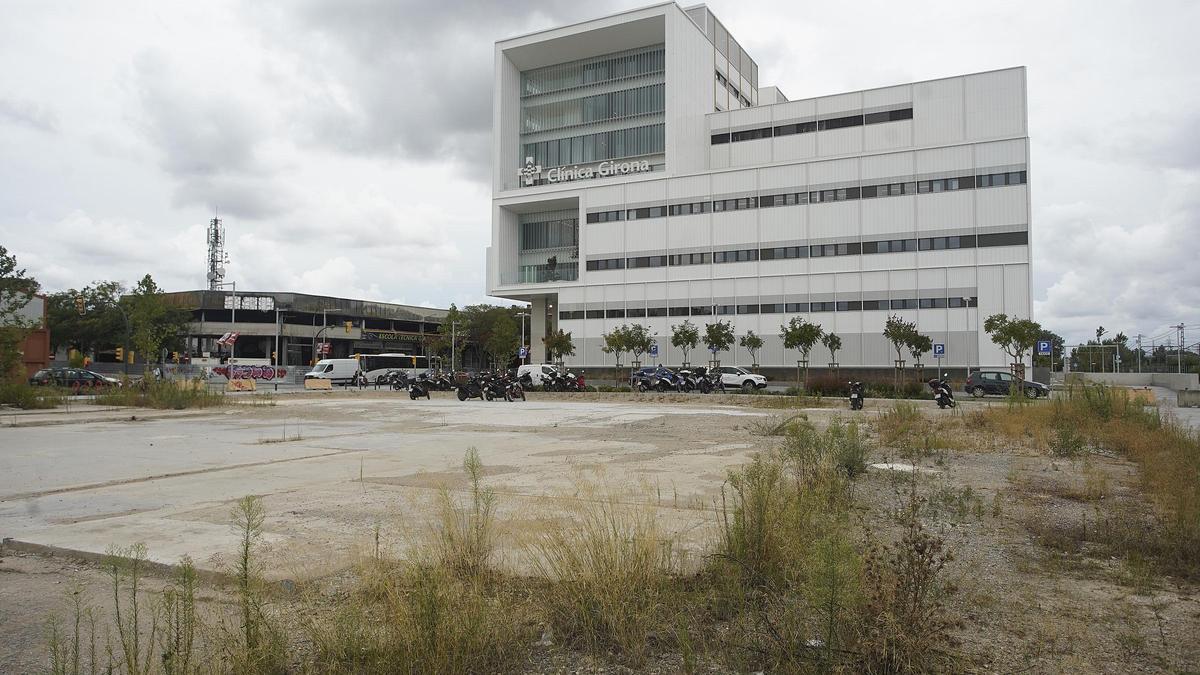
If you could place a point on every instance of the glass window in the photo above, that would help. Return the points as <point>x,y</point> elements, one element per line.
<point>635,312</point>
<point>614,314</point>
<point>656,311</point>
<point>747,309</point>
<point>678,311</point>
<point>701,310</point>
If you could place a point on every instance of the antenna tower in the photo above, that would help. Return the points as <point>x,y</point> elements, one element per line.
<point>217,257</point>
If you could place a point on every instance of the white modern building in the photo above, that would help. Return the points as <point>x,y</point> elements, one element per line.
<point>643,174</point>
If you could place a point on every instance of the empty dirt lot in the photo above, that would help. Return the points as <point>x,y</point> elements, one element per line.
<point>343,473</point>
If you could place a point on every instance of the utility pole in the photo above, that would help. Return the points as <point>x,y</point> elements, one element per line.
<point>453,346</point>
<point>1180,352</point>
<point>1139,346</point>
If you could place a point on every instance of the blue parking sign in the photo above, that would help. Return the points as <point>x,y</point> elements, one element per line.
<point>653,350</point>
<point>939,349</point>
<point>1043,348</point>
<point>522,352</point>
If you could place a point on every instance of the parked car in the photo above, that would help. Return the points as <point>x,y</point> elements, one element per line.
<point>998,382</point>
<point>72,378</point>
<point>736,376</point>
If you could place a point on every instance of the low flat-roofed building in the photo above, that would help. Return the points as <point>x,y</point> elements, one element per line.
<point>293,324</point>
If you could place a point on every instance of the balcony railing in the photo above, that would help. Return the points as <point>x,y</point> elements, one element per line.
<point>541,274</point>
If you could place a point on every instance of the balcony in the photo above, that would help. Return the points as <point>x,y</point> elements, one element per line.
<point>542,274</point>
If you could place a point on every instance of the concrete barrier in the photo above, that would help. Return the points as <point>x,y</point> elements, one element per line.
<point>241,385</point>
<point>318,384</point>
<point>1188,398</point>
<point>1169,380</point>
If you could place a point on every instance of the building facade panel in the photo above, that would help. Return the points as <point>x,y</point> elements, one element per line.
<point>910,200</point>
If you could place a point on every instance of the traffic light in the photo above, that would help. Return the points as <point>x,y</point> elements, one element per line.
<point>272,358</point>
<point>175,357</point>
<point>120,354</point>
<point>79,304</point>
<point>349,325</point>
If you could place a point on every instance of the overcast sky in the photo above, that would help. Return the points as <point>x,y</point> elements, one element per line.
<point>345,142</point>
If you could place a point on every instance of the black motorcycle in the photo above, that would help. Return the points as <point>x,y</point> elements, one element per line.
<point>418,387</point>
<point>513,390</point>
<point>856,395</point>
<point>396,379</point>
<point>494,387</point>
<point>942,393</point>
<point>471,387</point>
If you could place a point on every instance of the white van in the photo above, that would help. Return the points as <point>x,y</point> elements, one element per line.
<point>341,371</point>
<point>536,372</point>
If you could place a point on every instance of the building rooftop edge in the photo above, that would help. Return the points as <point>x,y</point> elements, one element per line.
<point>633,10</point>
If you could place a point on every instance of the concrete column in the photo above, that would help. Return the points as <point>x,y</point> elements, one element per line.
<point>537,330</point>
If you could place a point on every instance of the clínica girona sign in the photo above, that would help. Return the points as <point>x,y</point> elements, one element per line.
<point>531,172</point>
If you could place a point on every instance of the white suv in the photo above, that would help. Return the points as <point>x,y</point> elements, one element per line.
<point>734,376</point>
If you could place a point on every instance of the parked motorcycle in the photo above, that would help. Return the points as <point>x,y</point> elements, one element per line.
<point>689,381</point>
<point>942,393</point>
<point>513,390</point>
<point>856,395</point>
<point>396,379</point>
<point>494,386</point>
<point>470,387</point>
<point>418,387</point>
<point>665,379</point>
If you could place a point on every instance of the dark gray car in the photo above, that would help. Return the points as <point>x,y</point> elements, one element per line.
<point>999,383</point>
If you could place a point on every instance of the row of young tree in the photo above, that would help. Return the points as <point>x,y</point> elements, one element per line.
<point>1015,337</point>
<point>494,333</point>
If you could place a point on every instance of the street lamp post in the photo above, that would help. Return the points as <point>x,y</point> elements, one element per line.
<point>522,316</point>
<point>324,325</point>
<point>232,312</point>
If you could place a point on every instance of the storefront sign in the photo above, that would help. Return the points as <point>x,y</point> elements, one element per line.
<point>532,172</point>
<point>386,335</point>
<point>258,302</point>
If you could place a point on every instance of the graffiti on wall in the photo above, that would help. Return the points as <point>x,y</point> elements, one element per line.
<point>250,372</point>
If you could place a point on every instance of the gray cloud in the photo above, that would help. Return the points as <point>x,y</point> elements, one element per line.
<point>408,79</point>
<point>29,114</point>
<point>210,142</point>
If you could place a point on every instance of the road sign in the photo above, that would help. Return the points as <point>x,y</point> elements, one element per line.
<point>653,350</point>
<point>939,349</point>
<point>324,348</point>
<point>1043,348</point>
<point>522,352</point>
<point>712,349</point>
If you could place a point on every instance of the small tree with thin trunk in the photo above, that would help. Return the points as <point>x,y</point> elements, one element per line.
<point>899,332</point>
<point>1015,337</point>
<point>800,335</point>
<point>616,342</point>
<point>640,339</point>
<point>752,343</point>
<point>685,336</point>
<point>558,343</point>
<point>718,337</point>
<point>833,343</point>
<point>919,345</point>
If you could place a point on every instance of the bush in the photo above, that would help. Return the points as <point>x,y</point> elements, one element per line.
<point>467,534</point>
<point>28,397</point>
<point>609,579</point>
<point>162,395</point>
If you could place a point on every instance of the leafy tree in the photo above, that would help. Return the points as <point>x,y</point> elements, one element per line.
<point>919,345</point>
<point>899,332</point>
<point>639,340</point>
<point>685,336</point>
<point>833,343</point>
<point>16,291</point>
<point>718,337</point>
<point>99,327</point>
<point>153,323</point>
<point>616,342</point>
<point>1057,343</point>
<point>559,344</point>
<point>800,335</point>
<point>1014,336</point>
<point>752,344</point>
<point>502,341</point>
<point>448,337</point>
<point>1100,341</point>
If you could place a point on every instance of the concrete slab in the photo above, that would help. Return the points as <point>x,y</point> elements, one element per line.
<point>333,470</point>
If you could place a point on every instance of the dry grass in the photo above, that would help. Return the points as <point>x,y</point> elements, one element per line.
<point>1166,453</point>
